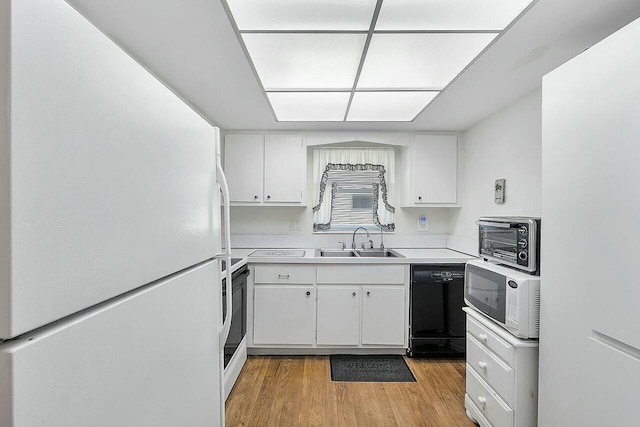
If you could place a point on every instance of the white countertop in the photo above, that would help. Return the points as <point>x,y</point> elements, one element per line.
<point>411,256</point>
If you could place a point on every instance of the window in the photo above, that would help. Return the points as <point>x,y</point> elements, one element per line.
<point>352,188</point>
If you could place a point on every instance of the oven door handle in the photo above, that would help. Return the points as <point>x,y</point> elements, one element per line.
<point>494,224</point>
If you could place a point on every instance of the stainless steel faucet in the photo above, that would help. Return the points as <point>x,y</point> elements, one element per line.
<point>353,239</point>
<point>381,237</point>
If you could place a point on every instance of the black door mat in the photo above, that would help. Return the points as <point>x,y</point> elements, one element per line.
<point>370,369</point>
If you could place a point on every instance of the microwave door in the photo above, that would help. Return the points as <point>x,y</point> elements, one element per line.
<point>486,291</point>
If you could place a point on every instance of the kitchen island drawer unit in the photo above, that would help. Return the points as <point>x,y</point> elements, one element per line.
<point>502,375</point>
<point>491,368</point>
<point>487,401</point>
<point>491,340</point>
<point>284,273</point>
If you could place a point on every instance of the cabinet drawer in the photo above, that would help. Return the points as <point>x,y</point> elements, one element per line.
<point>491,340</point>
<point>362,274</point>
<point>283,274</point>
<point>493,370</point>
<point>492,407</point>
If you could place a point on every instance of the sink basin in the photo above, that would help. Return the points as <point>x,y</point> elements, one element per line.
<point>364,253</point>
<point>379,253</point>
<point>333,253</point>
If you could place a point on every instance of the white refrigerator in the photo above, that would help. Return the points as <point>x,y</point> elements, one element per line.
<point>110,235</point>
<point>590,291</point>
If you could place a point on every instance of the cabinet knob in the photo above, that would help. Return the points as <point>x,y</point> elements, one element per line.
<point>368,293</point>
<point>482,365</point>
<point>268,196</point>
<point>482,337</point>
<point>482,400</point>
<point>255,197</point>
<point>419,197</point>
<point>308,293</point>
<point>353,294</point>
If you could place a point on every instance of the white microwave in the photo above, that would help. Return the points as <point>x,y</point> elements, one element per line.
<point>508,297</point>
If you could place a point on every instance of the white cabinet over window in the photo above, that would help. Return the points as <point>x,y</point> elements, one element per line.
<point>433,170</point>
<point>266,169</point>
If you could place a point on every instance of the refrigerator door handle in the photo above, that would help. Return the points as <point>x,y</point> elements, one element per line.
<point>226,255</point>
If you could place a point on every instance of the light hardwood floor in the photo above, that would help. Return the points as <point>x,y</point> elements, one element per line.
<point>297,391</point>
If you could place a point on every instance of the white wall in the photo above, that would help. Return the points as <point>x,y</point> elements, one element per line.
<point>505,145</point>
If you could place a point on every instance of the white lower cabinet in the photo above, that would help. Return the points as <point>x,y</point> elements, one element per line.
<point>383,320</point>
<point>284,305</point>
<point>362,305</point>
<point>502,375</point>
<point>340,306</point>
<point>284,314</point>
<point>338,315</point>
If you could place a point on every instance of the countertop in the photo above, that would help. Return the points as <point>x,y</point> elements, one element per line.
<point>411,256</point>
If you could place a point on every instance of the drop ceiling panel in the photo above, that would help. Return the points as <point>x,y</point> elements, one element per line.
<point>388,106</point>
<point>309,106</point>
<point>448,14</point>
<point>305,61</point>
<point>419,61</point>
<point>334,15</point>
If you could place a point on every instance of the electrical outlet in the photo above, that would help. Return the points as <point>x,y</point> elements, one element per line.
<point>423,223</point>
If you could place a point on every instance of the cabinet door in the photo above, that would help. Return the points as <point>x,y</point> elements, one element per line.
<point>434,169</point>
<point>284,169</point>
<point>243,167</point>
<point>283,314</point>
<point>383,315</point>
<point>338,315</point>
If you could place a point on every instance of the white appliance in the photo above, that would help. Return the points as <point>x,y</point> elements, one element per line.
<point>511,241</point>
<point>509,297</point>
<point>110,307</point>
<point>589,335</point>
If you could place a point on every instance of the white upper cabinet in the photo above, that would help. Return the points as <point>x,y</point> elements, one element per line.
<point>433,170</point>
<point>266,169</point>
<point>243,166</point>
<point>284,168</point>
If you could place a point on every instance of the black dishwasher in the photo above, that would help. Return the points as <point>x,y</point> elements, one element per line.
<point>436,319</point>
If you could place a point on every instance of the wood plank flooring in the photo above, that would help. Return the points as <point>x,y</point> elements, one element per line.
<point>297,391</point>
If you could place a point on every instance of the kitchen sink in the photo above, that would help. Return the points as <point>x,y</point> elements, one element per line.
<point>379,253</point>
<point>333,253</point>
<point>364,253</point>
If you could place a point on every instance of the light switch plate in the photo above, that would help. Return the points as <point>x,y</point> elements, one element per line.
<point>499,191</point>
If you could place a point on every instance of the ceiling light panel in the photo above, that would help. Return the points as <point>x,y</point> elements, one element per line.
<point>388,106</point>
<point>419,61</point>
<point>309,106</point>
<point>305,61</point>
<point>302,15</point>
<point>448,14</point>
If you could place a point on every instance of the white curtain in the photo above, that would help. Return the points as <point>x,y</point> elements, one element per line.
<point>352,156</point>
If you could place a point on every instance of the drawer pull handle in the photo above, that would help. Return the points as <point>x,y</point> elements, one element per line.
<point>308,293</point>
<point>482,337</point>
<point>482,365</point>
<point>353,294</point>
<point>283,276</point>
<point>482,401</point>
